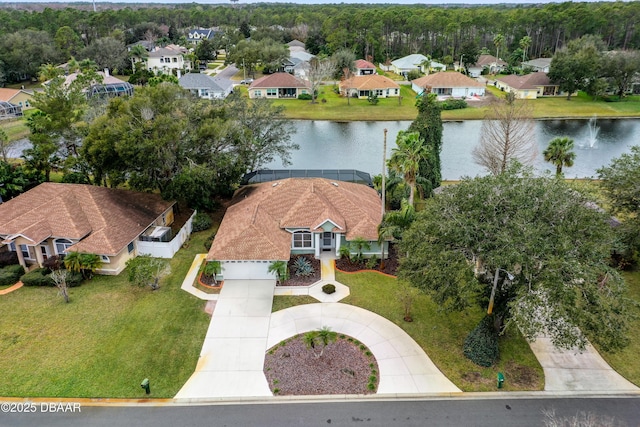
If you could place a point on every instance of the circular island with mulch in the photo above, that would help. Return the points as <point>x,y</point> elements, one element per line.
<point>346,366</point>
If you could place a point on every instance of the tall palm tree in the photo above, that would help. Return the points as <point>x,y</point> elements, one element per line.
<point>560,153</point>
<point>525,42</point>
<point>406,158</point>
<point>393,224</point>
<point>138,53</point>
<point>498,41</point>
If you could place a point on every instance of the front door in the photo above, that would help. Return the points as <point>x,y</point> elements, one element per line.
<point>327,241</point>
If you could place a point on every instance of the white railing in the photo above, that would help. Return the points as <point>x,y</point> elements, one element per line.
<point>166,249</point>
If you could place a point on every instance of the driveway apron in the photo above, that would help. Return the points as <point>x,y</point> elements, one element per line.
<point>232,357</point>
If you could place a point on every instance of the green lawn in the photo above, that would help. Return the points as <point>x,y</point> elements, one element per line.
<point>106,340</point>
<point>626,362</point>
<point>15,128</point>
<point>441,335</point>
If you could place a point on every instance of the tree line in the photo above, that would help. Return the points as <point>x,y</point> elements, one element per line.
<point>379,32</point>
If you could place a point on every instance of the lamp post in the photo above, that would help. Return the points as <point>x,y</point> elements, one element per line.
<point>495,285</point>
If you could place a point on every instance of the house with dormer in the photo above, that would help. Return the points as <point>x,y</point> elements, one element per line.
<point>275,220</point>
<point>196,35</point>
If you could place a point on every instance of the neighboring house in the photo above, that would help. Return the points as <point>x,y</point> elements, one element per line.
<point>538,65</point>
<point>278,85</point>
<point>165,59</point>
<point>449,83</point>
<point>196,35</point>
<point>488,62</point>
<point>8,111</point>
<point>205,86</point>
<point>54,219</point>
<point>408,63</point>
<point>274,220</point>
<point>301,55</point>
<point>529,86</point>
<point>148,45</point>
<point>109,87</point>
<point>296,44</point>
<point>363,86</point>
<point>364,68</point>
<point>19,97</point>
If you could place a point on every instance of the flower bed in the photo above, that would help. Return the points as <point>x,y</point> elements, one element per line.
<point>303,280</point>
<point>390,264</point>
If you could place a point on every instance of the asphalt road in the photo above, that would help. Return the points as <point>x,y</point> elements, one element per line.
<point>625,411</point>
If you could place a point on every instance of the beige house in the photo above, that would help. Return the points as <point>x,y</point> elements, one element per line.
<point>54,219</point>
<point>278,85</point>
<point>529,86</point>
<point>274,220</point>
<point>362,86</point>
<point>17,97</point>
<point>448,83</point>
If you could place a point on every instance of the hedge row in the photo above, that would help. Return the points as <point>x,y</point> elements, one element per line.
<point>42,277</point>
<point>10,275</point>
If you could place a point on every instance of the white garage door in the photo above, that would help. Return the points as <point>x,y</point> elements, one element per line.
<point>246,270</point>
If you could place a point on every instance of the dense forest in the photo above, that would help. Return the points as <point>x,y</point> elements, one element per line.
<point>382,32</point>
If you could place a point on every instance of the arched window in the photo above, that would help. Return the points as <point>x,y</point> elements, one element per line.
<point>302,239</point>
<point>62,245</point>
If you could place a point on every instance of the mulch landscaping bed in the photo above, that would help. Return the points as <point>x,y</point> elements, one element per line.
<point>390,264</point>
<point>300,280</point>
<point>344,368</point>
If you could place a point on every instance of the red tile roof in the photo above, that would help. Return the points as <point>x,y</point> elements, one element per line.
<point>528,81</point>
<point>485,60</point>
<point>278,80</point>
<point>361,63</point>
<point>6,94</point>
<point>105,219</point>
<point>446,79</point>
<point>254,225</point>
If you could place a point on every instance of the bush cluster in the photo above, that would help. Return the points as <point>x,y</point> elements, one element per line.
<point>11,274</point>
<point>8,258</point>
<point>201,222</point>
<point>37,277</point>
<point>481,345</point>
<point>305,96</point>
<point>329,288</point>
<point>453,104</point>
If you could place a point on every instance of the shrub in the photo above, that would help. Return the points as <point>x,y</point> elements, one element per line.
<point>373,98</point>
<point>201,222</point>
<point>209,241</point>
<point>8,258</point>
<point>37,277</point>
<point>372,262</point>
<point>305,96</point>
<point>74,279</point>
<point>481,345</point>
<point>329,288</point>
<point>10,274</point>
<point>53,262</point>
<point>453,104</point>
<point>303,267</point>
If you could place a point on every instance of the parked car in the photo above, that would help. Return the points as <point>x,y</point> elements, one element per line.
<point>246,81</point>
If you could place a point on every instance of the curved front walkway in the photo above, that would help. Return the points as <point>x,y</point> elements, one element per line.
<point>404,367</point>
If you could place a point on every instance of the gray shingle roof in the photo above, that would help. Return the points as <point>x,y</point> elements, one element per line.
<point>202,81</point>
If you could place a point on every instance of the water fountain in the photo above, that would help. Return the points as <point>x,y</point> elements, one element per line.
<point>593,130</point>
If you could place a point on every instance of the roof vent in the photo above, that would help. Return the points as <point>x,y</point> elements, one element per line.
<point>335,183</point>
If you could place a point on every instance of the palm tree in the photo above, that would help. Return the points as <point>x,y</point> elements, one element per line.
<point>73,262</point>
<point>281,270</point>
<point>89,263</point>
<point>498,41</point>
<point>394,224</point>
<point>406,158</point>
<point>559,153</point>
<point>322,336</point>
<point>138,52</point>
<point>426,64</point>
<point>525,42</point>
<point>212,269</point>
<point>359,244</point>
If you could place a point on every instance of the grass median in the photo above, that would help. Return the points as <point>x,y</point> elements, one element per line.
<point>109,338</point>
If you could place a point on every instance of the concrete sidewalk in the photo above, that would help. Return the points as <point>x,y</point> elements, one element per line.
<point>404,366</point>
<point>569,370</point>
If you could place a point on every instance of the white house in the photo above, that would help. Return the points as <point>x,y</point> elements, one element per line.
<point>449,83</point>
<point>165,59</point>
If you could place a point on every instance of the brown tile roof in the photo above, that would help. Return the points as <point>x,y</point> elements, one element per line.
<point>370,82</point>
<point>446,79</point>
<point>106,219</point>
<point>361,63</point>
<point>528,81</point>
<point>254,225</point>
<point>6,94</point>
<point>484,60</point>
<point>278,80</point>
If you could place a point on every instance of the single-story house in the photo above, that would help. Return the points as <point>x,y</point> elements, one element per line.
<point>110,86</point>
<point>54,219</point>
<point>278,85</point>
<point>538,65</point>
<point>273,221</point>
<point>165,59</point>
<point>489,62</point>
<point>364,68</point>
<point>205,86</point>
<point>19,97</point>
<point>449,83</point>
<point>529,86</point>
<point>417,62</point>
<point>301,55</point>
<point>363,86</point>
